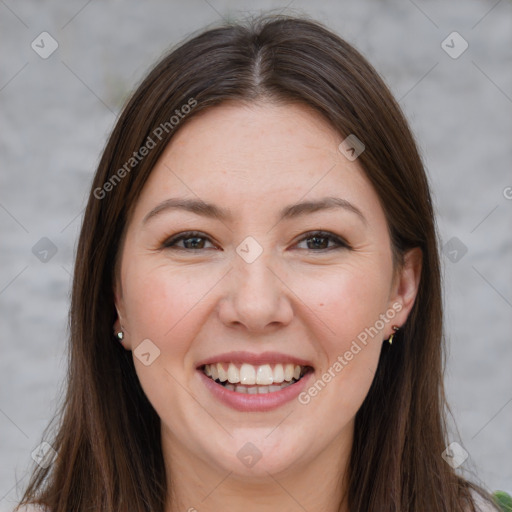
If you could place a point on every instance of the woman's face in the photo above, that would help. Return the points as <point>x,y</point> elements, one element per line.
<point>255,293</point>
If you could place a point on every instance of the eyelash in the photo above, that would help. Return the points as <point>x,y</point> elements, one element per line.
<point>170,242</point>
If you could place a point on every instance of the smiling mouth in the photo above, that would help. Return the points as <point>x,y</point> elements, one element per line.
<point>249,379</point>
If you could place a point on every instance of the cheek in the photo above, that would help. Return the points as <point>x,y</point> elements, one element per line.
<point>164,305</point>
<point>345,300</point>
<point>160,297</point>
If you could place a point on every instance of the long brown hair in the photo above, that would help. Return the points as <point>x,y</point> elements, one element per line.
<point>108,437</point>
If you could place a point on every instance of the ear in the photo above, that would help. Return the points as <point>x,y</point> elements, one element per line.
<point>405,286</point>
<point>120,324</point>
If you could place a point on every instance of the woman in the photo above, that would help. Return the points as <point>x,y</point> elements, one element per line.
<point>256,319</point>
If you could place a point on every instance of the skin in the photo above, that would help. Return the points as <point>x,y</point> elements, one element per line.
<point>198,302</point>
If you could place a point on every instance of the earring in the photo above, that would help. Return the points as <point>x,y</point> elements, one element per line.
<point>390,339</point>
<point>120,336</point>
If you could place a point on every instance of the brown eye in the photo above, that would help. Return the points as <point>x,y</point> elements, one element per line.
<point>319,241</point>
<point>192,240</point>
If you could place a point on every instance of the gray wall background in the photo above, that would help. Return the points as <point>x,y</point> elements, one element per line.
<point>57,112</point>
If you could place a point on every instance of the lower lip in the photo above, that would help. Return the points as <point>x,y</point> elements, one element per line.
<point>257,402</point>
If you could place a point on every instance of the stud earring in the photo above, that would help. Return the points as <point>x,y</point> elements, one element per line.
<point>120,336</point>
<point>390,339</point>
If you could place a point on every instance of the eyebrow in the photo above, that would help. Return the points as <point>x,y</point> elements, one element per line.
<point>212,211</point>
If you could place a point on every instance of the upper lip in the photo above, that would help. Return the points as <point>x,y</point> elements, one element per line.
<point>254,359</point>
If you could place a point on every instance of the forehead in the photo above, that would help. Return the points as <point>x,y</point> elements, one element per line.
<point>246,156</point>
<point>252,140</point>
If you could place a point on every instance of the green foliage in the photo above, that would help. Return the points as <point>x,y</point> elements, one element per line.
<point>504,500</point>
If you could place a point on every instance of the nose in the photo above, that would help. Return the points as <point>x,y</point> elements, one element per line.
<point>256,297</point>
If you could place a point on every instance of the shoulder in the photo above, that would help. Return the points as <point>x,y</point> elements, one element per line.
<point>483,505</point>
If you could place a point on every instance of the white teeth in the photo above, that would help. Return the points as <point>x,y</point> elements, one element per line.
<point>233,374</point>
<point>223,374</point>
<point>247,374</point>
<point>256,390</point>
<point>278,374</point>
<point>264,375</point>
<point>288,372</point>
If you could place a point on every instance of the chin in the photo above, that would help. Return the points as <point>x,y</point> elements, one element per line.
<point>251,454</point>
